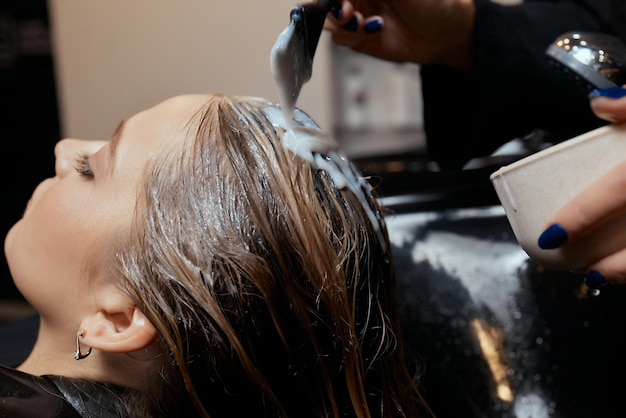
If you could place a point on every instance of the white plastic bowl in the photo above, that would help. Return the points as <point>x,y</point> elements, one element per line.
<point>532,189</point>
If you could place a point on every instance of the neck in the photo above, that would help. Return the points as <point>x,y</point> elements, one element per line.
<point>52,355</point>
<point>49,355</point>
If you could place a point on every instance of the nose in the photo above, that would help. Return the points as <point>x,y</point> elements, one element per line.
<point>68,150</point>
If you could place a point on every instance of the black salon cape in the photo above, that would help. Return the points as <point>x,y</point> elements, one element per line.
<point>513,89</point>
<point>27,396</point>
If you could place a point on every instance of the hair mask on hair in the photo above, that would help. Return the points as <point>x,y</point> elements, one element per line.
<point>304,137</point>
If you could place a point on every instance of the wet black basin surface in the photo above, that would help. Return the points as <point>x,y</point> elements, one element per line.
<point>495,334</point>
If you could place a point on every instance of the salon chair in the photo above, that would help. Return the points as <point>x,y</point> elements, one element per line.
<point>493,333</point>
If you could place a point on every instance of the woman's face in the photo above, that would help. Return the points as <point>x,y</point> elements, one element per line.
<point>92,195</point>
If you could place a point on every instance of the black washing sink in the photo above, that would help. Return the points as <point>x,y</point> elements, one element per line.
<point>495,334</point>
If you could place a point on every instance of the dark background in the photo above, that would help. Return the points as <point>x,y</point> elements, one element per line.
<point>29,117</point>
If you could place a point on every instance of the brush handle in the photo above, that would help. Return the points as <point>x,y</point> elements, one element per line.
<point>309,20</point>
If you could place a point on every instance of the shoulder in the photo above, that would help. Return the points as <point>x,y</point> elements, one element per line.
<point>88,399</point>
<point>25,395</point>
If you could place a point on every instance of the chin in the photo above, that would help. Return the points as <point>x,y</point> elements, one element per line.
<point>8,242</point>
<point>12,256</point>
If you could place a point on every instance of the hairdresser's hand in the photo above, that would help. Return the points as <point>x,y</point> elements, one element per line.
<point>603,200</point>
<point>420,31</point>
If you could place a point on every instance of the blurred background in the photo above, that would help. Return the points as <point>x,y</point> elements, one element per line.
<point>29,118</point>
<point>114,58</point>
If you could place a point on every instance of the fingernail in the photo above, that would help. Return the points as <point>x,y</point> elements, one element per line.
<point>553,237</point>
<point>336,11</point>
<point>594,280</point>
<point>352,25</point>
<point>373,26</point>
<point>611,93</point>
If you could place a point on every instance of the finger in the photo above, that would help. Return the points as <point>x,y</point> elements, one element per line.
<point>600,201</point>
<point>348,22</point>
<point>373,24</point>
<point>612,110</point>
<point>353,33</point>
<point>609,104</point>
<point>331,25</point>
<point>343,13</point>
<point>356,24</point>
<point>611,268</point>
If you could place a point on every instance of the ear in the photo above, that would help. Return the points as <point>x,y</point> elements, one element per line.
<point>118,326</point>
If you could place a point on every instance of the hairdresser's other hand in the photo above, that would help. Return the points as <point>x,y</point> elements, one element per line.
<point>602,200</point>
<point>420,31</point>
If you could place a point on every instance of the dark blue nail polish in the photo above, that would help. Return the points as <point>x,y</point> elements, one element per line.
<point>336,11</point>
<point>595,280</point>
<point>373,26</point>
<point>611,93</point>
<point>553,237</point>
<point>352,25</point>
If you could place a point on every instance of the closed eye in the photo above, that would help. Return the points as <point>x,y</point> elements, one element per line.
<point>82,167</point>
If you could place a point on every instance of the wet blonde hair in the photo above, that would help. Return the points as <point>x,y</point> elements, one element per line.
<point>269,287</point>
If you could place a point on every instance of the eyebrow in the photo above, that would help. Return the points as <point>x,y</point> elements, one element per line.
<point>115,140</point>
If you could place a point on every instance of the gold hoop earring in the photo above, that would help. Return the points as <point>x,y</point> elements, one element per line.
<point>78,355</point>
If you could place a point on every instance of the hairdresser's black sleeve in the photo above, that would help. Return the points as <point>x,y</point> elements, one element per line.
<point>512,88</point>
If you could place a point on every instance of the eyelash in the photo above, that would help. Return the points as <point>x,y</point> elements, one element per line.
<point>82,167</point>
